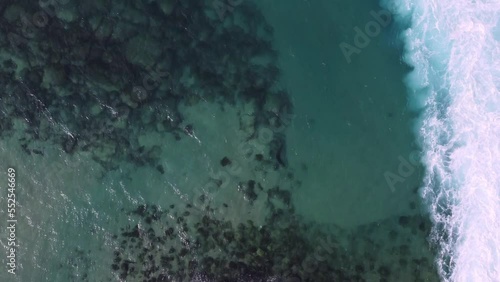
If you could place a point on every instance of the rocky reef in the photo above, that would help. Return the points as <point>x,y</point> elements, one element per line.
<point>96,76</point>
<point>187,244</point>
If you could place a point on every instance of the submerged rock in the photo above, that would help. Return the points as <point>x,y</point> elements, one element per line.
<point>69,144</point>
<point>225,161</point>
<point>100,72</point>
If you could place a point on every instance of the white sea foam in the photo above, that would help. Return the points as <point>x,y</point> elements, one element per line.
<point>454,46</point>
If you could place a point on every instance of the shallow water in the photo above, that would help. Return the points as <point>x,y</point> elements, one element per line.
<point>185,142</point>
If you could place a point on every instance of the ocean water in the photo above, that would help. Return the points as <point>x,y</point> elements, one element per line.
<point>238,140</point>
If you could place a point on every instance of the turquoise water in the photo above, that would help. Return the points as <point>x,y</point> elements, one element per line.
<point>248,141</point>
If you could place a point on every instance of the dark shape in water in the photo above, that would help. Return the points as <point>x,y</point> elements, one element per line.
<point>141,210</point>
<point>69,144</point>
<point>281,155</point>
<point>188,129</point>
<point>225,161</point>
<point>169,232</point>
<point>404,220</point>
<point>38,152</point>
<point>134,233</point>
<point>160,169</point>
